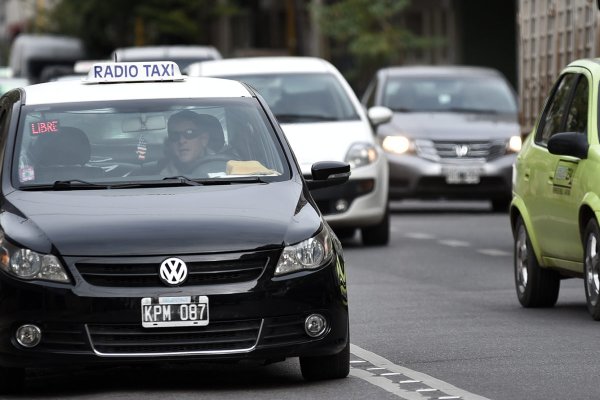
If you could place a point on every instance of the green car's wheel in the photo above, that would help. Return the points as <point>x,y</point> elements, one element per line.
<point>591,267</point>
<point>536,286</point>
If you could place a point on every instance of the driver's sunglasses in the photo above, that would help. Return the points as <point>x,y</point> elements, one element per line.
<point>187,134</point>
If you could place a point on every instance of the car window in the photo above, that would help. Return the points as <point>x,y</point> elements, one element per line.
<point>553,115</point>
<point>124,141</point>
<point>577,116</point>
<point>466,94</point>
<point>303,97</point>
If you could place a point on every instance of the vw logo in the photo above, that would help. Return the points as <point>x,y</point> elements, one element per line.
<point>461,150</point>
<point>173,271</point>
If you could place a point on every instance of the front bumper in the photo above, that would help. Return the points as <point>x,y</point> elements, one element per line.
<point>87,324</point>
<point>414,177</point>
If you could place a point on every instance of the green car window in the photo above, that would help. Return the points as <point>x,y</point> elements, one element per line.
<point>552,117</point>
<point>578,110</point>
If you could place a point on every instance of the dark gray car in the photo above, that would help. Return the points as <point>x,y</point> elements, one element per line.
<point>454,132</point>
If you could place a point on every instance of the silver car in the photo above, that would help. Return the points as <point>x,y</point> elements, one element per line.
<point>454,132</point>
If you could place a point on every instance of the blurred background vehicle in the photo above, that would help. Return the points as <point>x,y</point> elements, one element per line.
<point>37,57</point>
<point>182,55</point>
<point>454,133</point>
<point>7,84</point>
<point>323,120</point>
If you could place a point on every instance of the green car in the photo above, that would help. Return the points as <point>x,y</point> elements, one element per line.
<point>556,196</point>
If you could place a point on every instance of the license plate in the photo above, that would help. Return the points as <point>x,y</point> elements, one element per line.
<point>460,174</point>
<point>174,311</point>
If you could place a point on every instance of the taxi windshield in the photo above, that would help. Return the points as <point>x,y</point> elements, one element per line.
<point>99,144</point>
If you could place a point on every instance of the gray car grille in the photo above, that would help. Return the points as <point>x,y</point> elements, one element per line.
<point>461,150</point>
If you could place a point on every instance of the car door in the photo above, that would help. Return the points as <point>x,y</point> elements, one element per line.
<point>555,196</point>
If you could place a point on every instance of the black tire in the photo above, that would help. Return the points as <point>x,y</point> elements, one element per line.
<point>378,235</point>
<point>536,286</point>
<point>345,233</point>
<point>12,380</point>
<point>501,204</point>
<point>336,366</point>
<point>591,268</point>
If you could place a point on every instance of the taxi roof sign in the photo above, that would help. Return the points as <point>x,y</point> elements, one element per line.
<point>151,71</point>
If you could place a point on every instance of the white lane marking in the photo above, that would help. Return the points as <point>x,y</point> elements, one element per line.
<point>448,397</point>
<point>494,252</point>
<point>409,381</point>
<point>375,368</point>
<point>390,374</point>
<point>389,386</point>
<point>418,235</point>
<point>454,243</point>
<point>427,390</point>
<point>357,361</point>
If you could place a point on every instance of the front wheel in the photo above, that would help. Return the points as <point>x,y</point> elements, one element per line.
<point>378,235</point>
<point>536,286</point>
<point>592,268</point>
<point>336,366</point>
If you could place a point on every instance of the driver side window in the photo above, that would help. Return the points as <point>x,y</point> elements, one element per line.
<point>553,117</point>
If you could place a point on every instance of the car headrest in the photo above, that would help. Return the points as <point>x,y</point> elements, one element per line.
<point>68,146</point>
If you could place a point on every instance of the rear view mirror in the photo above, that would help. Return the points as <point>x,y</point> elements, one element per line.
<point>569,144</point>
<point>379,115</point>
<point>144,123</point>
<point>328,173</point>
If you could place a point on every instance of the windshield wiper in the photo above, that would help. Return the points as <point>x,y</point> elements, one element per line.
<point>68,184</point>
<point>471,110</point>
<point>304,117</point>
<point>183,180</point>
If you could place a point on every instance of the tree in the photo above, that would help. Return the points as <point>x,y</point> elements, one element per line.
<point>371,32</point>
<point>104,25</point>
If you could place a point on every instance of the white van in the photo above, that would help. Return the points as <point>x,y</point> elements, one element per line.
<point>31,54</point>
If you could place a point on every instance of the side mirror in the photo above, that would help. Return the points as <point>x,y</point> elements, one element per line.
<point>569,144</point>
<point>379,115</point>
<point>328,173</point>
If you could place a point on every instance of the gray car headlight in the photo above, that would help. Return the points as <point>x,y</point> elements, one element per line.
<point>28,264</point>
<point>361,154</point>
<point>309,254</point>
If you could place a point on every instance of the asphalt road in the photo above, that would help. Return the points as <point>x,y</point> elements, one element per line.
<point>433,315</point>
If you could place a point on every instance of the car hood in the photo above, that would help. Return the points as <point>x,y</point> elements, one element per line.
<point>325,141</point>
<point>454,126</point>
<point>158,221</point>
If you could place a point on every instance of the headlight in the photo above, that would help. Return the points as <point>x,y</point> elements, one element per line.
<point>309,254</point>
<point>514,144</point>
<point>27,264</point>
<point>361,154</point>
<point>396,144</point>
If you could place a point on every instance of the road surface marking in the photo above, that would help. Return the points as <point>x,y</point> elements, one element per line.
<point>418,235</point>
<point>494,252</point>
<point>402,388</point>
<point>454,243</point>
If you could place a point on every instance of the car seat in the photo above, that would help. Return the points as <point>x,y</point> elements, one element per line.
<point>63,155</point>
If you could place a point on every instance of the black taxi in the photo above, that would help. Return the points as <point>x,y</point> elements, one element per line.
<point>150,216</point>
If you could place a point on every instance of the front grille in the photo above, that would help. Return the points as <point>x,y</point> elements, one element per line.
<point>218,336</point>
<point>284,330</point>
<point>63,337</point>
<point>131,273</point>
<point>454,150</point>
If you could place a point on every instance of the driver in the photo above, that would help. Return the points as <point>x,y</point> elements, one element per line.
<point>187,142</point>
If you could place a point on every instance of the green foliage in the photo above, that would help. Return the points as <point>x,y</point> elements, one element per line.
<point>104,25</point>
<point>371,32</point>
